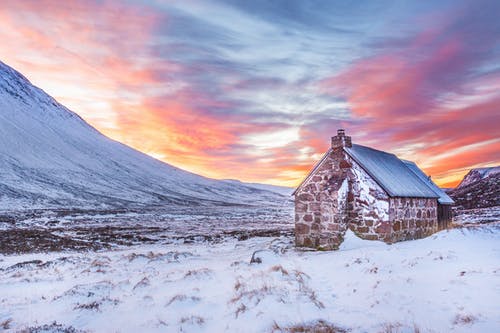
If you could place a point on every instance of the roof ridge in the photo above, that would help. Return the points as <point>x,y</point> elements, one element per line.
<point>408,161</point>
<point>390,172</point>
<point>444,198</point>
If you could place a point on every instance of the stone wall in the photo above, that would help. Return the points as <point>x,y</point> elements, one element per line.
<point>320,204</point>
<point>412,218</point>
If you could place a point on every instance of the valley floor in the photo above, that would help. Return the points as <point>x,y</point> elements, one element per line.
<point>449,282</point>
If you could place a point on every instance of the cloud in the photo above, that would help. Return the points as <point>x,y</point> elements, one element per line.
<point>425,93</point>
<point>80,51</point>
<point>254,90</point>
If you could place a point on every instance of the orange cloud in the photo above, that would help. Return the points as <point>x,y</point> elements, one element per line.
<point>78,51</point>
<point>97,58</point>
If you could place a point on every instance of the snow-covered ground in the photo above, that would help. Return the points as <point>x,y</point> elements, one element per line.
<point>60,230</point>
<point>449,282</point>
<point>477,216</point>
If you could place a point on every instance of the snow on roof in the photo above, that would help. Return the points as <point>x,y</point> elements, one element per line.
<point>390,173</point>
<point>443,197</point>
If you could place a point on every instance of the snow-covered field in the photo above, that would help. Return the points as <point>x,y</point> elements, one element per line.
<point>62,230</point>
<point>477,216</point>
<point>449,282</point>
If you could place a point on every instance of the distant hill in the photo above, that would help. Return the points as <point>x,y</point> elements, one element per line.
<point>284,190</point>
<point>480,188</point>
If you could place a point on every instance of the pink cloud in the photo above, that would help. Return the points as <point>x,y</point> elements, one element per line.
<point>424,96</point>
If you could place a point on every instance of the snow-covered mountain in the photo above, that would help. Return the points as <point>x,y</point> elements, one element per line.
<point>480,188</point>
<point>50,157</point>
<point>477,174</point>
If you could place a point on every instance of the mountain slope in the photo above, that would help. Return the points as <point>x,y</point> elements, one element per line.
<point>478,174</point>
<point>49,156</point>
<point>480,188</point>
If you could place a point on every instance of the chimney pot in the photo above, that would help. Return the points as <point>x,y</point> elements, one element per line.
<point>341,140</point>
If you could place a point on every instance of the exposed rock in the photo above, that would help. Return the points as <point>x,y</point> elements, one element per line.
<point>480,188</point>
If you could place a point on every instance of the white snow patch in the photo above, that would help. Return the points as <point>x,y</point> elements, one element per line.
<point>366,182</point>
<point>351,242</point>
<point>342,195</point>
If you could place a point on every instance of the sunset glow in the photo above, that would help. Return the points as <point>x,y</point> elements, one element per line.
<point>253,90</point>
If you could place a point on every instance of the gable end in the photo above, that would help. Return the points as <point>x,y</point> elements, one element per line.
<point>313,170</point>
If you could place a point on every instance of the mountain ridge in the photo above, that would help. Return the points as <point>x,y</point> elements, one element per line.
<point>480,188</point>
<point>51,157</point>
<point>477,174</point>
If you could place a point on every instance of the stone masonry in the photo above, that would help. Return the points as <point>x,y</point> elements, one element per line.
<point>412,218</point>
<point>320,205</point>
<point>340,194</point>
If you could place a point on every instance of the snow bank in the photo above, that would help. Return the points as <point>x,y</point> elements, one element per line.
<point>351,242</point>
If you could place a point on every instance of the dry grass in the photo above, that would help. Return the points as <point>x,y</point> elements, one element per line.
<point>398,328</point>
<point>192,320</point>
<point>390,328</point>
<point>279,268</point>
<point>6,324</point>
<point>246,298</point>
<point>254,294</point>
<point>238,285</point>
<point>16,241</point>
<point>241,309</point>
<point>53,328</point>
<point>96,305</point>
<point>313,297</point>
<point>464,319</point>
<point>202,272</point>
<point>88,306</point>
<point>301,277</point>
<point>319,326</point>
<point>152,256</point>
<point>182,298</point>
<point>143,283</point>
<point>98,266</point>
<point>101,262</point>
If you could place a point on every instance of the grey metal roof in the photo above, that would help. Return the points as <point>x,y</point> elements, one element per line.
<point>443,197</point>
<point>390,173</point>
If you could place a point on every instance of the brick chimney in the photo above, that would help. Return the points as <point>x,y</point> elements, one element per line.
<point>341,140</point>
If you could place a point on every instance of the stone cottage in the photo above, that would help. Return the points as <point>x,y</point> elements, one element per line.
<point>373,193</point>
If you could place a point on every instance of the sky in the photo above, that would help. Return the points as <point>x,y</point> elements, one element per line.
<point>253,90</point>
